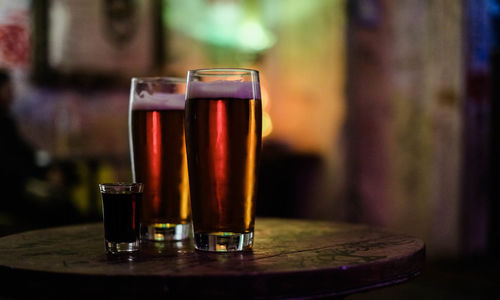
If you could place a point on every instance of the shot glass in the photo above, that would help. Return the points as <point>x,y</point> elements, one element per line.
<point>121,205</point>
<point>158,155</point>
<point>223,140</point>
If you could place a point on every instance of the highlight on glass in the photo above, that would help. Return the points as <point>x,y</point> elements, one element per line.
<point>223,139</point>
<point>158,156</point>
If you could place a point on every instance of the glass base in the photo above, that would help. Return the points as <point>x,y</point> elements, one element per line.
<point>166,232</point>
<point>223,241</point>
<point>116,248</point>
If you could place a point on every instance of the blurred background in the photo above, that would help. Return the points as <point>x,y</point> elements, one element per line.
<point>375,111</point>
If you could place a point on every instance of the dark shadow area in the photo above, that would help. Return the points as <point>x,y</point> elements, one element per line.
<point>286,178</point>
<point>467,278</point>
<point>34,195</point>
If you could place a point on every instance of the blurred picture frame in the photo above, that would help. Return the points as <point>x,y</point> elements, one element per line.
<point>95,43</point>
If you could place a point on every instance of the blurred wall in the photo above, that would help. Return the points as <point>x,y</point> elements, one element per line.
<point>304,74</point>
<point>405,111</point>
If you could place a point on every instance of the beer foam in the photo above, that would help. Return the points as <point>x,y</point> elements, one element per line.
<point>222,89</point>
<point>159,101</point>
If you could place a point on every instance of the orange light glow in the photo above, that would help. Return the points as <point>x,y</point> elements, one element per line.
<point>265,98</point>
<point>267,124</point>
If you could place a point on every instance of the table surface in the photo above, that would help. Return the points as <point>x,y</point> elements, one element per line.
<point>291,258</point>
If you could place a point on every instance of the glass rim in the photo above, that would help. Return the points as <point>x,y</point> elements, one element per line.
<point>223,71</point>
<point>158,79</point>
<point>121,184</point>
<point>121,187</point>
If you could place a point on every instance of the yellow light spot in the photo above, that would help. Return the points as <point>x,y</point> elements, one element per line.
<point>250,166</point>
<point>267,125</point>
<point>185,208</point>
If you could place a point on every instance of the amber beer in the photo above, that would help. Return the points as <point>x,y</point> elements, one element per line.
<point>223,137</point>
<point>159,161</point>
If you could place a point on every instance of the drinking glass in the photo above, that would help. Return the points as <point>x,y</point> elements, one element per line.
<point>223,140</point>
<point>120,206</point>
<point>158,155</point>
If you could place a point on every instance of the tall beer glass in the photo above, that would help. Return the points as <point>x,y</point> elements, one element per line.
<point>223,139</point>
<point>158,155</point>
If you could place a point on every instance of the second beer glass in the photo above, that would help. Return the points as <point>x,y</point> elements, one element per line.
<point>223,138</point>
<point>158,155</point>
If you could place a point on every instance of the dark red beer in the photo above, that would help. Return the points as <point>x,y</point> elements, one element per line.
<point>223,143</point>
<point>160,162</point>
<point>223,140</point>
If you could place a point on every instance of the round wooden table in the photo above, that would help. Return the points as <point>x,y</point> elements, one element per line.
<point>290,259</point>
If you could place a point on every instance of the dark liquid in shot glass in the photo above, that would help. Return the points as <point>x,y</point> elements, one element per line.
<point>121,217</point>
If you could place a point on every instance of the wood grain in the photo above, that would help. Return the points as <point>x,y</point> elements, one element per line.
<point>291,258</point>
